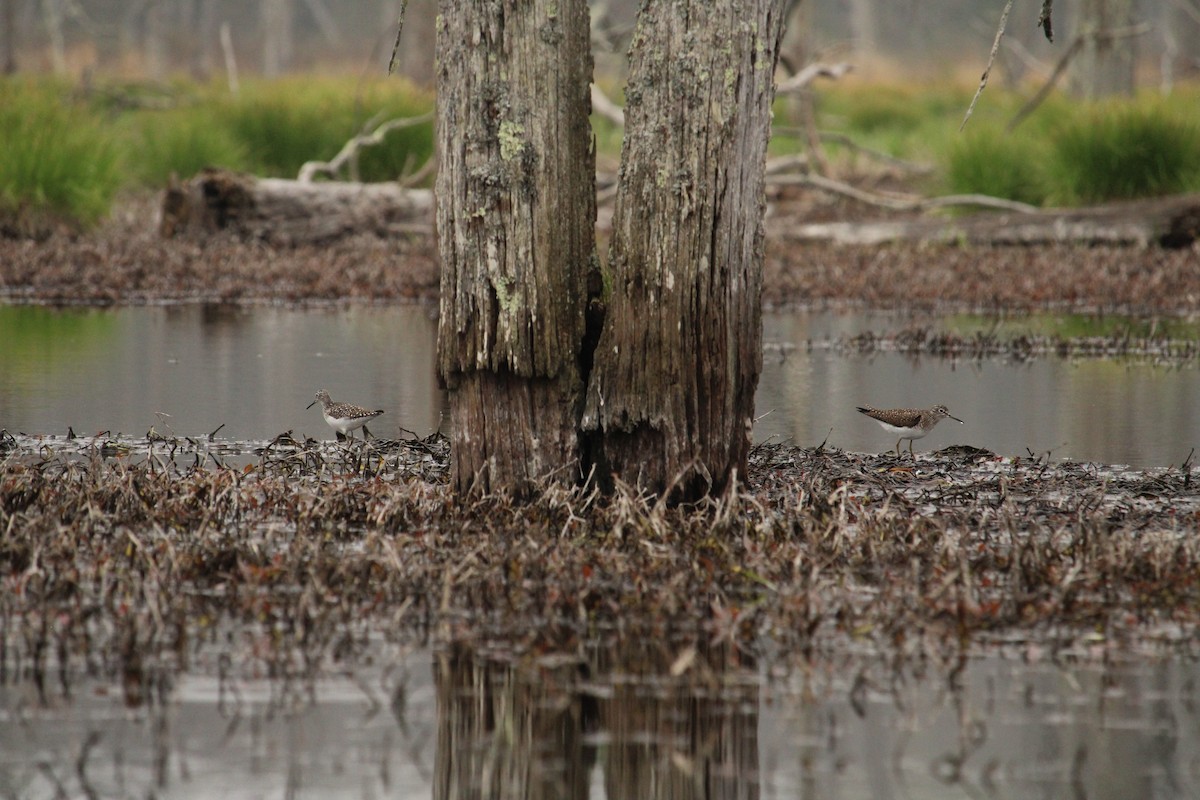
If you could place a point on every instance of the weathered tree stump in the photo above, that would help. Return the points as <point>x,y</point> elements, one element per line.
<point>287,212</point>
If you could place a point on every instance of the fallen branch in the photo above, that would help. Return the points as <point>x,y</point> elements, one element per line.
<point>1170,222</point>
<point>350,150</point>
<point>606,108</point>
<point>810,73</point>
<point>899,203</point>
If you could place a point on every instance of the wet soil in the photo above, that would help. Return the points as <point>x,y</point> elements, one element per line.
<point>126,261</point>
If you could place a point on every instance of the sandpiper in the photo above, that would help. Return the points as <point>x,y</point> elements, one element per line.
<point>344,417</point>
<point>909,423</point>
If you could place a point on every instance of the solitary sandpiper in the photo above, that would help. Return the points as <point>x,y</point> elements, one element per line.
<point>344,417</point>
<point>908,423</point>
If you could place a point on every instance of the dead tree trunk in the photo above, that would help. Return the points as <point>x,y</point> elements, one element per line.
<point>670,400</point>
<point>515,216</point>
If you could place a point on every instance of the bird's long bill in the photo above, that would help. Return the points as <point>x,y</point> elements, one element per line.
<point>310,405</point>
<point>956,419</point>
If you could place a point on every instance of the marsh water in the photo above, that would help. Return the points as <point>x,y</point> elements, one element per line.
<point>191,369</point>
<point>451,725</point>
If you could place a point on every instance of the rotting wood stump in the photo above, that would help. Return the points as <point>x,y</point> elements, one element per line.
<point>287,212</point>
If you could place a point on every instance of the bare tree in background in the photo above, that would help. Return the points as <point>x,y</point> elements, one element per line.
<point>1106,63</point>
<point>276,36</point>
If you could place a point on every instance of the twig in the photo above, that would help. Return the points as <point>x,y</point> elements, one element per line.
<point>991,60</point>
<point>396,45</point>
<point>1044,20</point>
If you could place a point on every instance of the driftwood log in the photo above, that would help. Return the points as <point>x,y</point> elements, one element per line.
<point>1165,222</point>
<point>288,212</point>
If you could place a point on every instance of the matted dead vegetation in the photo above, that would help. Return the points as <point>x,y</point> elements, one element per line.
<point>130,559</point>
<point>126,261</point>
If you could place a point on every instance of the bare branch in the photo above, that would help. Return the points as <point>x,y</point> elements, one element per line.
<point>899,203</point>
<point>1044,20</point>
<point>396,45</point>
<point>606,108</point>
<point>991,60</point>
<point>1061,67</point>
<point>351,148</point>
<point>1048,86</point>
<point>810,73</point>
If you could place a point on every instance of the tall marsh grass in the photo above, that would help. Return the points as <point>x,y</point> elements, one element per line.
<point>59,162</point>
<point>1068,152</point>
<point>273,127</point>
<point>1113,151</point>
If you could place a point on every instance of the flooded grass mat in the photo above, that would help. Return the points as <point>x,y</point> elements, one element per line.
<point>126,559</point>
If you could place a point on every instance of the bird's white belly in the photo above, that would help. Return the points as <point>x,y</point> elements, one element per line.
<point>345,424</point>
<point>904,433</point>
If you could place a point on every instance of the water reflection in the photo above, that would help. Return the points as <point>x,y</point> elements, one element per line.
<point>193,368</point>
<point>624,722</point>
<point>1103,410</point>
<point>190,369</point>
<point>635,730</point>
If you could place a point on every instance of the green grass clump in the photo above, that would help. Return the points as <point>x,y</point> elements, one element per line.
<point>987,161</point>
<point>273,127</point>
<point>181,143</point>
<point>59,162</point>
<point>1111,152</point>
<point>282,124</point>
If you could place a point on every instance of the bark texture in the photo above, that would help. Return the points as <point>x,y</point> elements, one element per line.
<point>515,215</point>
<point>670,400</point>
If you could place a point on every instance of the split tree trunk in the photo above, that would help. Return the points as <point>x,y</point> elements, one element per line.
<point>670,402</point>
<point>516,217</point>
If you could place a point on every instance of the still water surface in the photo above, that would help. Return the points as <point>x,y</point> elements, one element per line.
<point>450,725</point>
<point>190,369</point>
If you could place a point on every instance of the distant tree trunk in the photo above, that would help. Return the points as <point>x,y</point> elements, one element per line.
<point>864,28</point>
<point>515,217</point>
<point>670,401</point>
<point>1106,64</point>
<point>155,40</point>
<point>206,39</point>
<point>52,15</point>
<point>277,36</point>
<point>8,19</point>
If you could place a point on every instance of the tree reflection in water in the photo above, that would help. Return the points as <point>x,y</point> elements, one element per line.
<point>661,725</point>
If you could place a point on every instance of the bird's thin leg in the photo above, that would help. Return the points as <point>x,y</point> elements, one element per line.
<point>366,433</point>
<point>910,450</point>
<point>898,441</point>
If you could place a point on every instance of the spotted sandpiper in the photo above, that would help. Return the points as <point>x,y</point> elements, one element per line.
<point>908,423</point>
<point>344,418</point>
